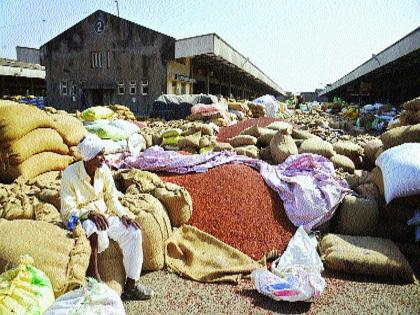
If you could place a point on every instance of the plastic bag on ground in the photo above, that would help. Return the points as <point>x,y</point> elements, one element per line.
<point>92,299</point>
<point>296,275</point>
<point>270,103</point>
<point>25,290</point>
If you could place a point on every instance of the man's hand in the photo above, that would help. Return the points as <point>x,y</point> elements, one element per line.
<point>99,219</point>
<point>127,221</point>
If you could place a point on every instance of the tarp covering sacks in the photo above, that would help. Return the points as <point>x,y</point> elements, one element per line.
<point>94,298</point>
<point>25,290</point>
<point>365,255</point>
<point>400,168</point>
<point>296,275</point>
<point>199,256</point>
<point>63,259</point>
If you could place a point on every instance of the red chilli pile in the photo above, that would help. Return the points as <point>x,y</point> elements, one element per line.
<point>233,203</point>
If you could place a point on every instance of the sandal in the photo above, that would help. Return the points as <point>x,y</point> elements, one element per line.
<point>139,292</point>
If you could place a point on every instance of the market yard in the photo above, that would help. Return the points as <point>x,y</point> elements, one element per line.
<point>146,174</point>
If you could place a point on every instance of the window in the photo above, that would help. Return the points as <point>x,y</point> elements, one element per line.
<point>72,88</point>
<point>121,88</point>
<point>96,59</point>
<point>133,88</point>
<point>144,87</point>
<point>183,88</point>
<point>63,88</point>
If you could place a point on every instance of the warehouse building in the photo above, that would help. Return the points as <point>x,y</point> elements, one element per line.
<point>391,76</point>
<point>21,78</point>
<point>105,59</point>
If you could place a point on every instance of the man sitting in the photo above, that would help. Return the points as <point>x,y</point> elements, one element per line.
<point>88,193</point>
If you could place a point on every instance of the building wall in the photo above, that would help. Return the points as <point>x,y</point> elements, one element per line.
<point>179,67</point>
<point>26,54</point>
<point>129,52</point>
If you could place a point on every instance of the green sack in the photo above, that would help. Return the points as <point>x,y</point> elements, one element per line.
<point>171,140</point>
<point>25,290</point>
<point>97,112</point>
<point>105,131</point>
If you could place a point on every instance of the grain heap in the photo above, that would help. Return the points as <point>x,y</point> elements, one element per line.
<point>233,203</point>
<point>30,143</point>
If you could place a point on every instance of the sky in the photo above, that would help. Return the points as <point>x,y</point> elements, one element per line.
<point>301,45</point>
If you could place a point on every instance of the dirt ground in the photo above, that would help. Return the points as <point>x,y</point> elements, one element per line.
<point>344,294</point>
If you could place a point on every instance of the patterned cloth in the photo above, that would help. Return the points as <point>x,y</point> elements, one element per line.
<point>306,183</point>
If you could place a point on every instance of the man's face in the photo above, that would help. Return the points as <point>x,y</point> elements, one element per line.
<point>97,161</point>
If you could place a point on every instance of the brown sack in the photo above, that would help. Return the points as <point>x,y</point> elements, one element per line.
<point>378,180</point>
<point>63,258</point>
<point>351,150</point>
<point>282,146</point>
<point>400,135</point>
<point>248,150</point>
<point>18,120</point>
<point>317,146</point>
<point>365,255</point>
<point>70,128</point>
<point>240,141</point>
<point>357,216</point>
<point>371,148</point>
<point>222,146</point>
<point>36,141</point>
<point>111,267</point>
<point>343,162</point>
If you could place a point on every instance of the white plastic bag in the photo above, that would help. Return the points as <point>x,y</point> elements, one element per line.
<point>92,299</point>
<point>296,275</point>
<point>270,103</point>
<point>400,168</point>
<point>128,126</point>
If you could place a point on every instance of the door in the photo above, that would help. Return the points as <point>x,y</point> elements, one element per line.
<point>97,97</point>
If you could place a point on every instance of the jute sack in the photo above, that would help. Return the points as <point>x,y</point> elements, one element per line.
<point>222,146</point>
<point>281,126</point>
<point>64,259</point>
<point>190,141</point>
<point>396,231</point>
<point>240,141</point>
<point>378,180</point>
<point>282,146</point>
<point>248,150</point>
<point>400,135</point>
<point>254,131</point>
<point>111,267</point>
<point>197,255</point>
<point>36,141</point>
<point>204,142</point>
<point>265,137</point>
<point>74,152</point>
<point>70,128</point>
<point>343,162</point>
<point>365,255</point>
<point>369,191</point>
<point>18,206</point>
<point>17,120</point>
<point>351,150</point>
<point>298,142</point>
<point>357,216</point>
<point>156,227</point>
<point>48,213</point>
<point>398,212</point>
<point>371,148</point>
<point>265,154</point>
<point>302,134</point>
<point>317,146</point>
<point>205,129</point>
<point>144,181</point>
<point>36,165</point>
<point>413,104</point>
<point>148,138</point>
<point>177,201</point>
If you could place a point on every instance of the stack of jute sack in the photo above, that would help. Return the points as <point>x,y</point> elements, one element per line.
<point>123,112</point>
<point>257,110</point>
<point>411,114</point>
<point>33,142</point>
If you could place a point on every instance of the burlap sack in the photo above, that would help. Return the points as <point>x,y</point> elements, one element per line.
<point>145,181</point>
<point>400,135</point>
<point>396,231</point>
<point>111,267</point>
<point>18,120</point>
<point>204,142</point>
<point>156,227</point>
<point>254,131</point>
<point>74,152</point>
<point>222,146</point>
<point>148,138</point>
<point>398,212</point>
<point>343,162</point>
<point>369,191</point>
<point>378,180</point>
<point>35,165</point>
<point>298,142</point>
<point>371,148</point>
<point>265,137</point>
<point>15,206</point>
<point>317,146</point>
<point>70,128</point>
<point>302,134</point>
<point>248,150</point>
<point>282,146</point>
<point>265,154</point>
<point>408,117</point>
<point>281,126</point>
<point>206,130</point>
<point>177,201</point>
<point>48,213</point>
<point>190,141</point>
<point>413,104</point>
<point>351,150</point>
<point>240,141</point>
<point>379,152</point>
<point>199,256</point>
<point>64,259</point>
<point>357,216</point>
<point>36,141</point>
<point>365,255</point>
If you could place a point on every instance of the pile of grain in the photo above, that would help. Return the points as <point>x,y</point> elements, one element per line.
<point>233,203</point>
